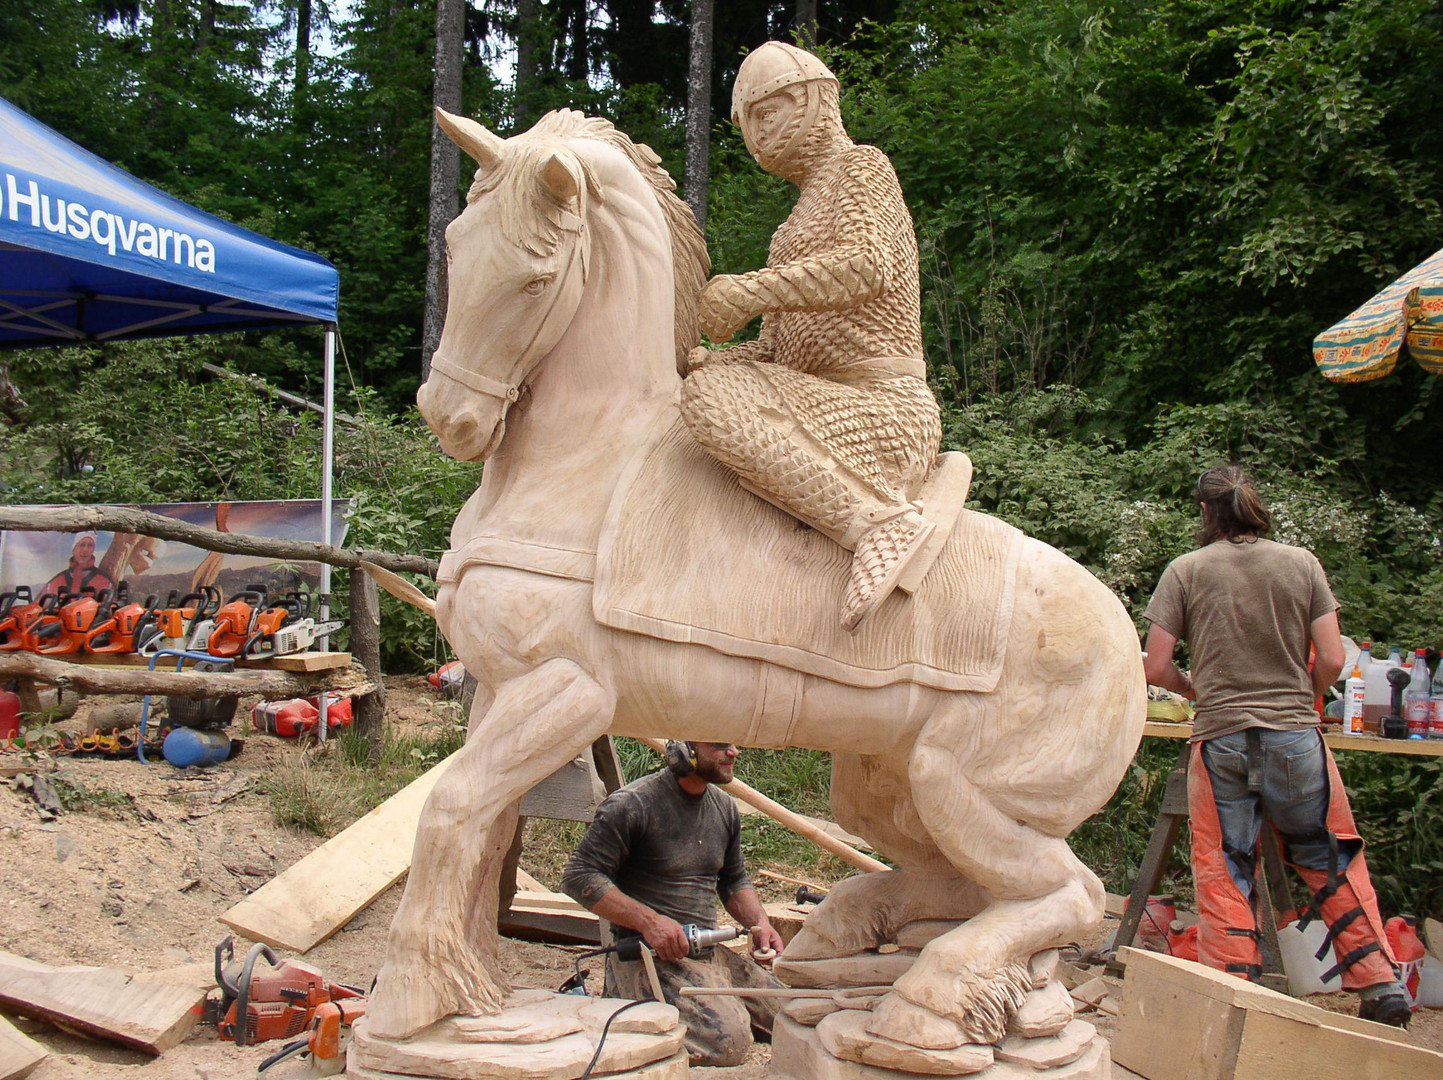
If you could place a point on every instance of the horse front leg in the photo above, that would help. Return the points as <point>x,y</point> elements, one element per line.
<point>441,956</point>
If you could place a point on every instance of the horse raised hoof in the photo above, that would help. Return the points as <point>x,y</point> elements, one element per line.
<point>870,910</point>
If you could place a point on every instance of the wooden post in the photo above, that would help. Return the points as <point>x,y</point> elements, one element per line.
<point>366,648</point>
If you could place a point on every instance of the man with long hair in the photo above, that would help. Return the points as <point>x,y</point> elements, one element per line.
<point>1250,611</point>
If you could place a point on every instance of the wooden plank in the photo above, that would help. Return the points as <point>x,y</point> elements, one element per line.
<point>552,927</point>
<point>1368,743</point>
<point>1183,1021</point>
<point>526,881</point>
<point>571,793</point>
<point>146,1014</point>
<point>545,900</point>
<point>310,901</point>
<point>1280,1048</point>
<point>1218,986</point>
<point>301,661</point>
<point>19,1053</point>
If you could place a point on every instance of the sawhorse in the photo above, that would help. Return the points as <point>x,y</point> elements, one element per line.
<point>1271,878</point>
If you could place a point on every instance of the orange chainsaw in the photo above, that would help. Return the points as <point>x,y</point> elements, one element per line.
<point>75,619</point>
<point>180,622</point>
<point>280,1003</point>
<point>252,626</point>
<point>16,612</point>
<point>129,623</point>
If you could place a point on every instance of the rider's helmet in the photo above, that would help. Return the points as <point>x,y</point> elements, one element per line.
<point>781,96</point>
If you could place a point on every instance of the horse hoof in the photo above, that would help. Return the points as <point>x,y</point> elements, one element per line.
<point>898,1019</point>
<point>981,1004</point>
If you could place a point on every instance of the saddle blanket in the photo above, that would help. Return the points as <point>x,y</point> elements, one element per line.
<point>687,555</point>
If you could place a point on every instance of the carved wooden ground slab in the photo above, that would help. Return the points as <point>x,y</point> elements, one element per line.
<point>538,1036</point>
<point>798,1054</point>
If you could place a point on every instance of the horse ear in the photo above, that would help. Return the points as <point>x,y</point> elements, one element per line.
<point>560,182</point>
<point>487,148</point>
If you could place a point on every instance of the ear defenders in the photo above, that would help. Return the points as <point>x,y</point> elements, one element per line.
<point>680,758</point>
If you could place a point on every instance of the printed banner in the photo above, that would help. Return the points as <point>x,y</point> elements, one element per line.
<point>51,561</point>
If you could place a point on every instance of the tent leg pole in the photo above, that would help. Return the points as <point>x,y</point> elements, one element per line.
<point>327,467</point>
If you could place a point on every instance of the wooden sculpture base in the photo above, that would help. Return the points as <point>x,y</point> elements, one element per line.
<point>537,1036</point>
<point>798,1054</point>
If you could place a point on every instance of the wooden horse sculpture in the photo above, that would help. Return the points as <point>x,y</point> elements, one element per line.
<point>573,281</point>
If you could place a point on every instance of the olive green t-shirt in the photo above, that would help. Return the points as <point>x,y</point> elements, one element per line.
<point>1246,611</point>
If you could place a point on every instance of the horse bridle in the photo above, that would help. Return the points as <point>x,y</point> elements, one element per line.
<point>510,392</point>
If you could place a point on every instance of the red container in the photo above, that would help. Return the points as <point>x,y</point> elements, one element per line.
<point>9,714</point>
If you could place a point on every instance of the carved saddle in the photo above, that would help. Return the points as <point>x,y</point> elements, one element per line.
<point>687,555</point>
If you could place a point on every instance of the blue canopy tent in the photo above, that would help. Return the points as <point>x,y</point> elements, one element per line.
<point>88,253</point>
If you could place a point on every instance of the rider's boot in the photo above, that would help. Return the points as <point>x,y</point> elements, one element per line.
<point>882,555</point>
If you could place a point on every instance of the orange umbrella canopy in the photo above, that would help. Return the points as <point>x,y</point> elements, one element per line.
<point>1366,344</point>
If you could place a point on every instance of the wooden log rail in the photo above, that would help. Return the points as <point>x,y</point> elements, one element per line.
<point>144,523</point>
<point>271,685</point>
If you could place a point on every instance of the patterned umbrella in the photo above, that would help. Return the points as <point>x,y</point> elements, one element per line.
<point>1366,344</point>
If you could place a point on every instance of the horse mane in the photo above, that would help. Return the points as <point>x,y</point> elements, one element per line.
<point>690,261</point>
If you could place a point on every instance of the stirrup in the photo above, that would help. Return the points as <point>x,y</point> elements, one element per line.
<point>881,558</point>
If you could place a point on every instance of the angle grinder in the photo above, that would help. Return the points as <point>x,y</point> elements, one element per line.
<point>698,941</point>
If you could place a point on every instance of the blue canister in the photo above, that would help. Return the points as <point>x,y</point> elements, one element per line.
<point>184,747</point>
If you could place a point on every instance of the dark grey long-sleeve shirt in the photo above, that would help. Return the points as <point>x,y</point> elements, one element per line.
<point>674,852</point>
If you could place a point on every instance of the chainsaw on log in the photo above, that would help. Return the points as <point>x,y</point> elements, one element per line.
<point>17,610</point>
<point>251,626</point>
<point>129,621</point>
<point>65,633</point>
<point>180,622</point>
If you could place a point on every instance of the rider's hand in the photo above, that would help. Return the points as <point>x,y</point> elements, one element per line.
<point>698,358</point>
<point>666,938</point>
<point>724,307</point>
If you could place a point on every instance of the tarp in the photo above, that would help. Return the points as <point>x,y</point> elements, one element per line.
<point>90,253</point>
<point>1366,344</point>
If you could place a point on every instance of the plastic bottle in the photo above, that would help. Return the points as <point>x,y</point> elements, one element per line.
<point>1300,961</point>
<point>1435,711</point>
<point>1378,695</point>
<point>184,747</point>
<point>1353,697</point>
<point>1417,697</point>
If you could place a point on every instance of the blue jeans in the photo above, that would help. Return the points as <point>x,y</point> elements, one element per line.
<point>1292,789</point>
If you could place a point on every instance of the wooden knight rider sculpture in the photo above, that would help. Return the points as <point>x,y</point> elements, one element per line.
<point>827,414</point>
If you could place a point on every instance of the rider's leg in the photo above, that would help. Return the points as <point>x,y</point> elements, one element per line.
<point>737,413</point>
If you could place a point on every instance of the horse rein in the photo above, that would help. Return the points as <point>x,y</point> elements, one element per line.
<point>511,392</point>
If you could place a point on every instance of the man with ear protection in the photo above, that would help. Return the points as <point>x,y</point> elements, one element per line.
<point>658,855</point>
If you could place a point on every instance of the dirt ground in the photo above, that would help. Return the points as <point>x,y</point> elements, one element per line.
<point>138,882</point>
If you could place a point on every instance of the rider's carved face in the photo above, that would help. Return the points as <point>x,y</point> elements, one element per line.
<point>770,126</point>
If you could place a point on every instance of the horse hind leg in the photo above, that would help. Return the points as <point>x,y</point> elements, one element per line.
<point>873,800</point>
<point>441,955</point>
<point>967,984</point>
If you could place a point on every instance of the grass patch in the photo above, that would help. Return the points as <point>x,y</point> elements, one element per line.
<point>76,796</point>
<point>323,788</point>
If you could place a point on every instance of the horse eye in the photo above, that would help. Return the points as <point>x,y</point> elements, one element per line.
<point>536,286</point>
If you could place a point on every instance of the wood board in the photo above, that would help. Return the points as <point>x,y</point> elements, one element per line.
<point>146,1014</point>
<point>311,900</point>
<point>301,661</point>
<point>1183,1021</point>
<point>19,1053</point>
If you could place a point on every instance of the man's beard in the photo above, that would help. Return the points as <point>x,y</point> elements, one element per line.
<point>713,773</point>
